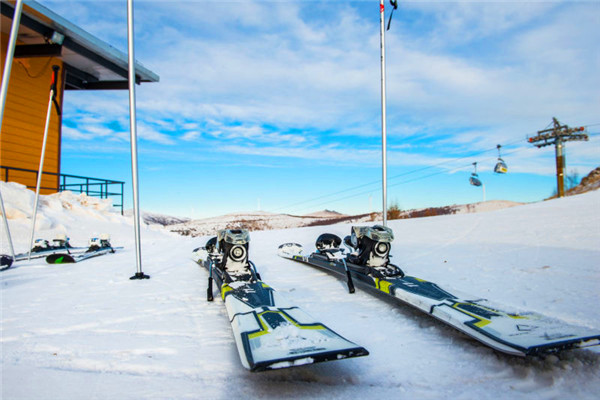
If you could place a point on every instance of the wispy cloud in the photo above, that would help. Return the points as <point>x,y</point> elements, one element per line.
<point>256,63</point>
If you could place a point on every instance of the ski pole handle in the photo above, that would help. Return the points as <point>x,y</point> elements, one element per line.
<point>55,69</point>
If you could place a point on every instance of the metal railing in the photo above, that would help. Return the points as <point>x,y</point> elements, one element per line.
<point>96,187</point>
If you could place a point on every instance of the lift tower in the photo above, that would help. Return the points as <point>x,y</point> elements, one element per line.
<point>557,135</point>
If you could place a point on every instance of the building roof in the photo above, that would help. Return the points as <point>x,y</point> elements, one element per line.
<point>90,63</point>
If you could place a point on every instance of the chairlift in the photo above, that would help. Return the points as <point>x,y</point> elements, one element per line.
<point>474,179</point>
<point>500,167</point>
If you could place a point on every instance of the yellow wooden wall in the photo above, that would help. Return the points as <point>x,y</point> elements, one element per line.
<point>25,117</point>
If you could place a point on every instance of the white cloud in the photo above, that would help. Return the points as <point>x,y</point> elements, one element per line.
<point>148,132</point>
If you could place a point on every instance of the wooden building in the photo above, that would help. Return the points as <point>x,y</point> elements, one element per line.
<point>46,39</point>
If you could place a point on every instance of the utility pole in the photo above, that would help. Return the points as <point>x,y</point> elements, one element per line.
<point>557,135</point>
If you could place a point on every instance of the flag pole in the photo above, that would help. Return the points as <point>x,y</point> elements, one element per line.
<point>133,133</point>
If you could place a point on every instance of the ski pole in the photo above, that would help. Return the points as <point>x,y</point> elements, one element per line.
<point>383,116</point>
<point>52,99</point>
<point>209,291</point>
<point>350,283</point>
<point>10,51</point>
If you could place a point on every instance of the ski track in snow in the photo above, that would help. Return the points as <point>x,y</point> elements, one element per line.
<point>86,331</point>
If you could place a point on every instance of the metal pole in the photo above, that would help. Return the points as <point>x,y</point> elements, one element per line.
<point>10,52</point>
<point>383,114</point>
<point>39,175</point>
<point>133,131</point>
<point>560,168</point>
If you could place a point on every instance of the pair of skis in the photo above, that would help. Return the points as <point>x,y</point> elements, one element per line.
<point>42,248</point>
<point>270,333</point>
<point>98,246</point>
<point>367,265</point>
<point>60,251</point>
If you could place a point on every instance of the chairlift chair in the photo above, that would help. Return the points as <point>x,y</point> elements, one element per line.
<point>474,179</point>
<point>500,167</point>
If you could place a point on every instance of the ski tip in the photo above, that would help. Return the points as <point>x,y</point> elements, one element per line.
<point>60,259</point>
<point>314,358</point>
<point>5,262</point>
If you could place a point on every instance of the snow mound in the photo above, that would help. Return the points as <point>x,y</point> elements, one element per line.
<point>18,202</point>
<point>78,216</point>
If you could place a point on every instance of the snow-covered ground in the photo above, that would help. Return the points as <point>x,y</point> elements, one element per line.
<point>87,331</point>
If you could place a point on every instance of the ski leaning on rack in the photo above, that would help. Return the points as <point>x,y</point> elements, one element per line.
<point>42,248</point>
<point>367,265</point>
<point>269,332</point>
<point>98,246</point>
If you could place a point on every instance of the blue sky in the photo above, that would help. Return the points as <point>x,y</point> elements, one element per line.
<point>276,104</point>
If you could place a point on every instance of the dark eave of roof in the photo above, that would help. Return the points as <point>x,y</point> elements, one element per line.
<point>91,64</point>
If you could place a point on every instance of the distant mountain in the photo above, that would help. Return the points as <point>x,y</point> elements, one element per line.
<point>263,220</point>
<point>256,220</point>
<point>325,214</point>
<point>587,184</point>
<point>158,219</point>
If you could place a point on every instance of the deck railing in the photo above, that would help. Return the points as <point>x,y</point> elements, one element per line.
<point>96,187</point>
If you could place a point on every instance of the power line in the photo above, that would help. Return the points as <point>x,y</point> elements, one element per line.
<point>458,168</point>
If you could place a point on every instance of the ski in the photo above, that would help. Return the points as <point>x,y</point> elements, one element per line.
<point>42,248</point>
<point>98,246</point>
<point>367,265</point>
<point>270,333</point>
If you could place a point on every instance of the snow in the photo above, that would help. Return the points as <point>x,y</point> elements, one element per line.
<point>87,331</point>
<point>484,206</point>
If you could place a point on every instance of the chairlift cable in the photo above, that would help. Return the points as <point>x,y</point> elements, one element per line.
<point>458,168</point>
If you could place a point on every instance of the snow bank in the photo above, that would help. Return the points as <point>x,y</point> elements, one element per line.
<point>76,215</point>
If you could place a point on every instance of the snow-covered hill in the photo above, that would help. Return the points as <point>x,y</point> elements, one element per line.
<point>257,220</point>
<point>87,331</point>
<point>263,220</point>
<point>158,219</point>
<point>590,182</point>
